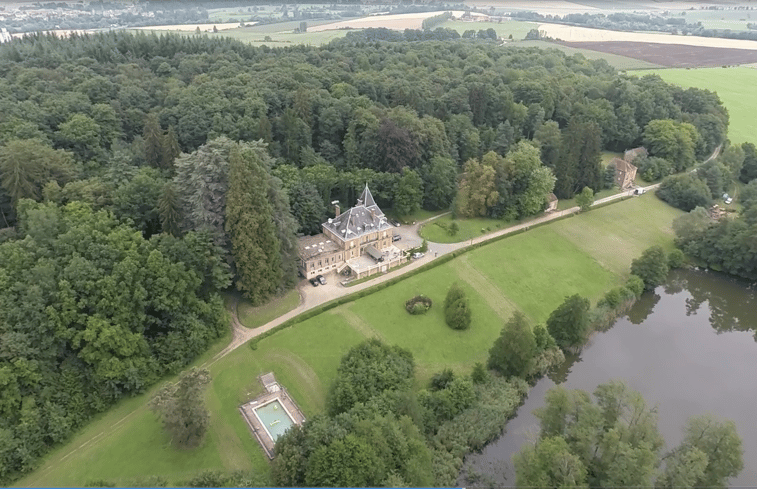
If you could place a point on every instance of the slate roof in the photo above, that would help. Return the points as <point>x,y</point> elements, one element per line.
<point>364,218</point>
<point>622,165</point>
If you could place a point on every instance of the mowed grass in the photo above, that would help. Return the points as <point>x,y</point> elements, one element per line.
<point>532,272</point>
<point>252,317</point>
<point>614,60</point>
<point>436,232</point>
<point>735,86</point>
<point>617,233</point>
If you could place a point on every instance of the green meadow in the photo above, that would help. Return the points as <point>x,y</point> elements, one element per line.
<point>515,28</point>
<point>735,86</point>
<point>532,272</point>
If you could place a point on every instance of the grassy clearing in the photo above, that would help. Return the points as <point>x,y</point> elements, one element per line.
<point>281,38</point>
<point>435,231</point>
<point>253,317</point>
<point>735,86</point>
<point>616,234</point>
<point>532,271</point>
<point>417,216</point>
<point>614,60</point>
<point>518,29</point>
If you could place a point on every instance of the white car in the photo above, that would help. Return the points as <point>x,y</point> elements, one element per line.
<point>418,255</point>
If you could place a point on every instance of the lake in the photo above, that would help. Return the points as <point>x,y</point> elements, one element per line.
<point>688,348</point>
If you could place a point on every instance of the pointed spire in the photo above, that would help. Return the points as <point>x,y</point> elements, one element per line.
<point>366,198</point>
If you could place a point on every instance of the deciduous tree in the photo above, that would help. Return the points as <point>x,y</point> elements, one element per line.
<point>181,407</point>
<point>651,266</point>
<point>515,348</point>
<point>569,323</point>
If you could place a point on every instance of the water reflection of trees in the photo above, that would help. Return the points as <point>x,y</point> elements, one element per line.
<point>732,303</point>
<point>643,307</point>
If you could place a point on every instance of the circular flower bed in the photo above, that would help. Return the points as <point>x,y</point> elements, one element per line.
<point>420,304</point>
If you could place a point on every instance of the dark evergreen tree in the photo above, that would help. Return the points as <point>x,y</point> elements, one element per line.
<point>513,352</point>
<point>249,223</point>
<point>569,323</point>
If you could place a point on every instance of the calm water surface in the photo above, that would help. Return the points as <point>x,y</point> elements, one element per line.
<point>689,348</point>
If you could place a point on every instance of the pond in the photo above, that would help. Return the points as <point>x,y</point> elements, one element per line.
<point>688,348</point>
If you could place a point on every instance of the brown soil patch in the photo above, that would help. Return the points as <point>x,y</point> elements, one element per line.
<point>672,55</point>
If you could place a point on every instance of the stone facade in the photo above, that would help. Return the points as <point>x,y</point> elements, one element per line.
<point>344,241</point>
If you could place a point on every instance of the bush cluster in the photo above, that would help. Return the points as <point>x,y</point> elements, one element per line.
<point>420,304</point>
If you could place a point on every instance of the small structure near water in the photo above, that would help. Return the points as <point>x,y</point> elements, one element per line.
<point>270,414</point>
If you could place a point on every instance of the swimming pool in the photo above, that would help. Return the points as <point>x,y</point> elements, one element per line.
<point>274,418</point>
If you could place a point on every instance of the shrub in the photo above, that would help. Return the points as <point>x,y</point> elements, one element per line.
<point>651,267</point>
<point>453,228</point>
<point>479,375</point>
<point>440,380</point>
<point>675,259</point>
<point>420,304</point>
<point>635,284</point>
<point>458,314</point>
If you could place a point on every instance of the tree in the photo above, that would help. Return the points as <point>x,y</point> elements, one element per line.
<point>691,225</point>
<point>169,210</point>
<point>550,463</point>
<point>674,141</point>
<point>721,446</point>
<point>585,199</point>
<point>367,370</point>
<point>514,350</point>
<point>615,438</point>
<point>152,135</point>
<point>409,193</point>
<point>569,323</point>
<point>549,138</point>
<point>26,165</point>
<point>685,192</point>
<point>476,191</point>
<point>181,407</point>
<point>439,183</point>
<point>308,207</point>
<point>139,200</point>
<point>651,267</point>
<point>457,313</point>
<point>171,149</point>
<point>749,166</point>
<point>249,223</point>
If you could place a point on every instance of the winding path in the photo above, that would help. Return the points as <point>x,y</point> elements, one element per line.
<point>311,297</point>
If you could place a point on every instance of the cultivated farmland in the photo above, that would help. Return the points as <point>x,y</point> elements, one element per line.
<point>532,272</point>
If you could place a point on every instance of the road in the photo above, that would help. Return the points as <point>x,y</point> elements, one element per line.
<point>311,297</point>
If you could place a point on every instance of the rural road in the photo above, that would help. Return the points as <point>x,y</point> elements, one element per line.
<point>311,297</point>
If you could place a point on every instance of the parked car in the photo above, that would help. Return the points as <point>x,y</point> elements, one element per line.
<point>396,237</point>
<point>394,222</point>
<point>417,255</point>
<point>727,198</point>
<point>314,282</point>
<point>638,191</point>
<point>320,279</point>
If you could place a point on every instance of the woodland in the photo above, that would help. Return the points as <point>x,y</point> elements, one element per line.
<point>141,175</point>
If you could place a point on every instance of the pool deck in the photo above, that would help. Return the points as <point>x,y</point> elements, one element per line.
<point>248,412</point>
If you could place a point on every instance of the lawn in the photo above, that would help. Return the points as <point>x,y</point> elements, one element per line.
<point>617,233</point>
<point>563,204</point>
<point>436,230</point>
<point>531,272</point>
<point>614,60</point>
<point>417,216</point>
<point>252,317</point>
<point>735,86</point>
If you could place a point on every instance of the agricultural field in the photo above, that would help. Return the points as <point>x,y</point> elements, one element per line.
<point>672,55</point>
<point>735,86</point>
<point>532,272</point>
<point>623,63</point>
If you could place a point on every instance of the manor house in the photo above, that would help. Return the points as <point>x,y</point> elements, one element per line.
<point>359,239</point>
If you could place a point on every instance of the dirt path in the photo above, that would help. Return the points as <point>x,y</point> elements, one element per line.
<point>358,323</point>
<point>484,286</point>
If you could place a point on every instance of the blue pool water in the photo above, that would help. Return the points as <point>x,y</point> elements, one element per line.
<point>274,418</point>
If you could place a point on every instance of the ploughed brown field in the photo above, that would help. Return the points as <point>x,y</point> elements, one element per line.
<point>673,55</point>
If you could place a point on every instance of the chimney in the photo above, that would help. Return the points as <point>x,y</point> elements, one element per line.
<point>337,211</point>
<point>373,214</point>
